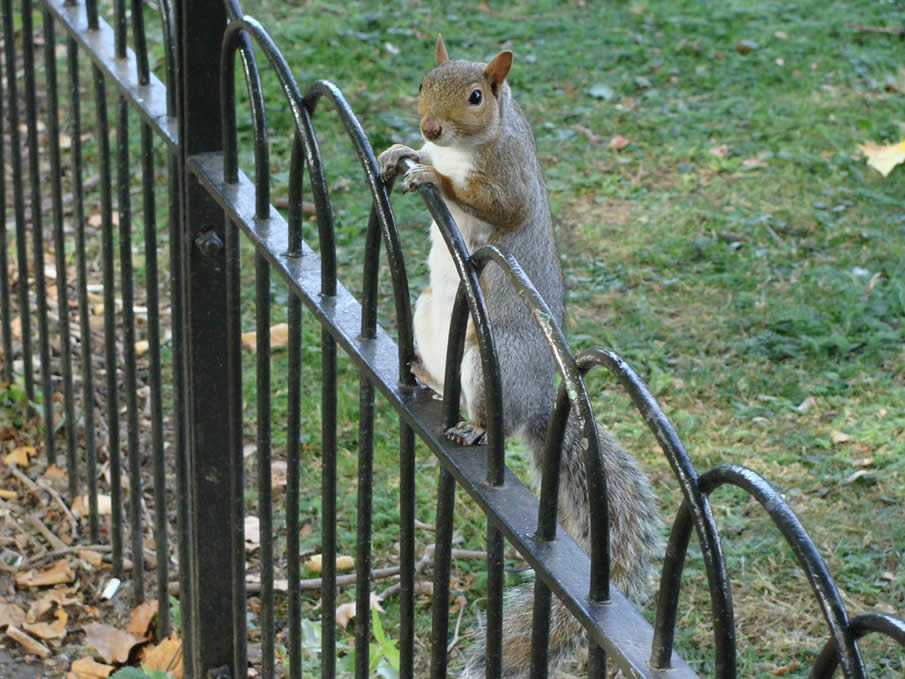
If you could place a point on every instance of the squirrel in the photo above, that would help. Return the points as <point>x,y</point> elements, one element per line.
<point>479,154</point>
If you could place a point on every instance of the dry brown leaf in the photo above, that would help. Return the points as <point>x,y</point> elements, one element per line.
<point>344,614</point>
<point>87,668</point>
<point>278,471</point>
<point>8,494</point>
<point>752,163</point>
<point>29,643</point>
<point>165,656</point>
<point>113,645</point>
<point>91,557</point>
<point>252,533</point>
<point>316,563</point>
<point>80,505</point>
<point>141,617</point>
<point>141,348</point>
<point>279,337</point>
<point>49,630</point>
<point>53,473</point>
<point>721,151</point>
<point>839,437</point>
<point>345,563</point>
<point>58,573</point>
<point>20,456</point>
<point>618,142</point>
<point>883,158</point>
<point>10,614</point>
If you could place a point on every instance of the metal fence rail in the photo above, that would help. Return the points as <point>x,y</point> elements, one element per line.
<point>212,205</point>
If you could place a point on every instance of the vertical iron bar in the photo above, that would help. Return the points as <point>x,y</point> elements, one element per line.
<point>540,630</point>
<point>128,322</point>
<point>178,182</point>
<point>200,25</point>
<point>81,263</point>
<point>406,551</point>
<point>494,648</point>
<point>363,549</point>
<point>15,152</point>
<point>293,455</point>
<point>596,660</point>
<point>113,451</point>
<point>5,310</point>
<point>328,499</point>
<point>56,177</point>
<point>31,126</point>
<point>149,216</point>
<point>446,500</point>
<point>265,492</point>
<point>236,457</point>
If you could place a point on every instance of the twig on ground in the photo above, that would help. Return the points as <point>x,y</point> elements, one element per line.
<point>456,638</point>
<point>59,500</point>
<point>38,525</point>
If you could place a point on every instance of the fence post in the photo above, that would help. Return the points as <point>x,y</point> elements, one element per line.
<point>199,30</point>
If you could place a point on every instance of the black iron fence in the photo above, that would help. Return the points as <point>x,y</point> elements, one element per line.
<point>195,432</point>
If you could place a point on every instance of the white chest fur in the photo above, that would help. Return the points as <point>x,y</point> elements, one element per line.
<point>434,307</point>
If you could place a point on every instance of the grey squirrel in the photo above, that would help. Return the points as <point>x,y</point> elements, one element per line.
<point>480,155</point>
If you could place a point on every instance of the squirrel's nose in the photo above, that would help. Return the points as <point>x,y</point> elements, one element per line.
<point>430,129</point>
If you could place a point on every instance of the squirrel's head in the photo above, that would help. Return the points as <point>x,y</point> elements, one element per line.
<point>460,101</point>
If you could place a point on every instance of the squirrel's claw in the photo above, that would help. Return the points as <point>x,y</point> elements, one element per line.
<point>388,161</point>
<point>467,434</point>
<point>420,175</point>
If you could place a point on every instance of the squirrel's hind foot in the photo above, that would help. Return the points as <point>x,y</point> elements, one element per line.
<point>467,434</point>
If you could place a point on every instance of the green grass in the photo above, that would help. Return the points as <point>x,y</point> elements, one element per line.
<point>738,252</point>
<point>738,289</point>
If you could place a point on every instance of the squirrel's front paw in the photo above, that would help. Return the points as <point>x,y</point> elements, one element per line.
<point>419,175</point>
<point>388,161</point>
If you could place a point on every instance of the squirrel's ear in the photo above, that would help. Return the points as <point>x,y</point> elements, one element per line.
<point>498,69</point>
<point>440,56</point>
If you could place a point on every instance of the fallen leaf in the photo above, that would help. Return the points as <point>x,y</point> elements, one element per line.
<point>618,142</point>
<point>345,613</point>
<point>10,614</point>
<point>721,151</point>
<point>165,656</point>
<point>49,630</point>
<point>8,494</point>
<point>863,462</point>
<point>866,476</point>
<point>279,337</point>
<point>141,617</point>
<point>602,91</point>
<point>80,505</point>
<point>113,645</point>
<point>752,163</point>
<point>87,668</point>
<point>746,46</point>
<point>252,533</point>
<point>807,404</point>
<point>278,471</point>
<point>20,456</point>
<point>782,671</point>
<point>30,644</point>
<point>345,563</point>
<point>141,348</point>
<point>53,473</point>
<point>91,557</point>
<point>883,158</point>
<point>58,573</point>
<point>839,437</point>
<point>888,576</point>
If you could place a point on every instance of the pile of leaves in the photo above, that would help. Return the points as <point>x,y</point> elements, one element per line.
<point>62,612</point>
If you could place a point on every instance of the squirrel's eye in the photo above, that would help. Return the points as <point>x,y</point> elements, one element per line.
<point>475,98</point>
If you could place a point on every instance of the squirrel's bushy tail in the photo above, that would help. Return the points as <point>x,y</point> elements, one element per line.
<point>634,537</point>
